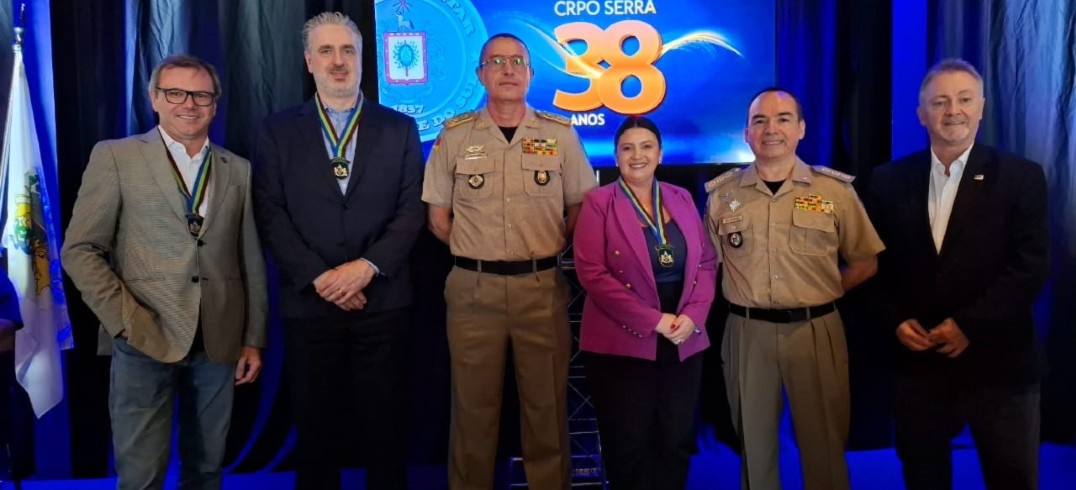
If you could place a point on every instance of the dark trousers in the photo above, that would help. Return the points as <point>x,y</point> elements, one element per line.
<point>349,370</point>
<point>646,411</point>
<point>1004,423</point>
<point>646,417</point>
<point>16,424</point>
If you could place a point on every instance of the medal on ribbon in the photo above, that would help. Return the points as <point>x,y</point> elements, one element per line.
<point>192,199</point>
<point>656,224</point>
<point>338,142</point>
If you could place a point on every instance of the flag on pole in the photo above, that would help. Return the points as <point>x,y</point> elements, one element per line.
<point>32,244</point>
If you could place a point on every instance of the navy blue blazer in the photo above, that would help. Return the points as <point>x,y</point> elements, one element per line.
<point>992,265</point>
<point>309,226</point>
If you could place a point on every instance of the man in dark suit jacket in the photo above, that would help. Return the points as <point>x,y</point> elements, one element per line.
<point>337,189</point>
<point>965,228</point>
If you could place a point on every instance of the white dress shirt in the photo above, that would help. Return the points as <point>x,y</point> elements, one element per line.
<point>942,193</point>
<point>188,166</point>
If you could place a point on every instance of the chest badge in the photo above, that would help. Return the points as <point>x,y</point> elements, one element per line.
<point>735,239</point>
<point>541,177</point>
<point>476,181</point>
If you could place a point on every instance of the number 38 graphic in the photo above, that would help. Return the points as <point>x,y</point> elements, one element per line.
<point>607,84</point>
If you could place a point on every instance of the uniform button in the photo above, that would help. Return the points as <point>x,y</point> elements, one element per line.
<point>776,276</point>
<point>625,327</point>
<point>695,282</point>
<point>628,285</point>
<point>508,199</point>
<point>616,252</point>
<point>509,226</point>
<point>194,279</point>
<point>621,272</point>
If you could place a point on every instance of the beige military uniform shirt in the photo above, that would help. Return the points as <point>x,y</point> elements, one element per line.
<point>507,197</point>
<point>780,251</point>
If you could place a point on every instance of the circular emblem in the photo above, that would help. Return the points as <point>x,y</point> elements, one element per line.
<point>476,181</point>
<point>421,71</point>
<point>541,177</point>
<point>735,240</point>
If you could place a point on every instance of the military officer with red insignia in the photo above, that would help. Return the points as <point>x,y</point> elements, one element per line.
<point>779,227</point>
<point>504,186</point>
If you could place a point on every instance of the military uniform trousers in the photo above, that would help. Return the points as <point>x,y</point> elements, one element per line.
<point>486,314</point>
<point>809,359</point>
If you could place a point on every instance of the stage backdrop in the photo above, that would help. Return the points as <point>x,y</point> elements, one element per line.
<point>837,55</point>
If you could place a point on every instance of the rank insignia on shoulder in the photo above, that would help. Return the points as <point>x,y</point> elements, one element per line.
<point>557,118</point>
<point>460,119</point>
<point>721,179</point>
<point>824,170</point>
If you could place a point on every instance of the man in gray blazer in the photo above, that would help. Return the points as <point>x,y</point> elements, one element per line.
<point>162,244</point>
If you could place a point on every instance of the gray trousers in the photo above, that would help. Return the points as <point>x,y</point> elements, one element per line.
<point>809,360</point>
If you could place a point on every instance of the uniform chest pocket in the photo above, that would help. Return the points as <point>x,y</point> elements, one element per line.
<point>735,235</point>
<point>813,233</point>
<point>541,175</point>
<point>475,177</point>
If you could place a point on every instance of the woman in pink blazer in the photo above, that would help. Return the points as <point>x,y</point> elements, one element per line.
<point>650,279</point>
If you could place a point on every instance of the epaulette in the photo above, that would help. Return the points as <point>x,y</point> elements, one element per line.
<point>833,173</point>
<point>557,118</point>
<point>720,179</point>
<point>460,119</point>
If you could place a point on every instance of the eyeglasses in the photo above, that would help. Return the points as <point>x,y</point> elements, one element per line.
<point>502,61</point>
<point>178,96</point>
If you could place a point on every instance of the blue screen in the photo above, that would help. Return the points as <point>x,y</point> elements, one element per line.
<point>691,65</point>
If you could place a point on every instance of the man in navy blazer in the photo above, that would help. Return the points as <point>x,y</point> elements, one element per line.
<point>965,227</point>
<point>337,190</point>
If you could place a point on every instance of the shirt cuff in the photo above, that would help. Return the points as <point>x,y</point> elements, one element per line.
<point>377,270</point>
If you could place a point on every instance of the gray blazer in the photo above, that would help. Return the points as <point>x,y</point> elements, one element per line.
<point>128,251</point>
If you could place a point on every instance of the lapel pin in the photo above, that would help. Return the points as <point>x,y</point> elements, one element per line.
<point>978,177</point>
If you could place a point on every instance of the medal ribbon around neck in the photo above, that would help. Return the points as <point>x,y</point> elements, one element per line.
<point>338,143</point>
<point>192,199</point>
<point>656,224</point>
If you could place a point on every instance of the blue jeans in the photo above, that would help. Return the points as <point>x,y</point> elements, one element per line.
<point>141,400</point>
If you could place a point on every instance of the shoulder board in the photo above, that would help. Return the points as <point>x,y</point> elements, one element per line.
<point>833,173</point>
<point>460,119</point>
<point>721,179</point>
<point>557,118</point>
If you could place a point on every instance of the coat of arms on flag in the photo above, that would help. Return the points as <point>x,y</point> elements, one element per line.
<point>405,57</point>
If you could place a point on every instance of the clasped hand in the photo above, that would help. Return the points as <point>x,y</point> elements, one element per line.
<point>676,328</point>
<point>343,285</point>
<point>946,338</point>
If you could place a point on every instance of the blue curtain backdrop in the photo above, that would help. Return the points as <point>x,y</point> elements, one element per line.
<point>1026,52</point>
<point>850,61</point>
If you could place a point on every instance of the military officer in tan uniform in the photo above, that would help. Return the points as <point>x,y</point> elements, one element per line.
<point>504,186</point>
<point>778,226</point>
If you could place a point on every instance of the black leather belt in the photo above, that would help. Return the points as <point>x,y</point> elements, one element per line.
<point>504,268</point>
<point>790,315</point>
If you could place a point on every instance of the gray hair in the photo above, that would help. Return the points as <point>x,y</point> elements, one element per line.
<point>329,18</point>
<point>949,65</point>
<point>184,61</point>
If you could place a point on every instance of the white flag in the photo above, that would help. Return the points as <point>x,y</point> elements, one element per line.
<point>33,254</point>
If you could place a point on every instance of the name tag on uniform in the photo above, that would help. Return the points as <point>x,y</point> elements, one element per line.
<point>731,219</point>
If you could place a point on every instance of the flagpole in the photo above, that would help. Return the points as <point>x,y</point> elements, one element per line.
<point>17,49</point>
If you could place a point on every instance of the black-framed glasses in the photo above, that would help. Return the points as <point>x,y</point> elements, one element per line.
<point>178,96</point>
<point>502,61</point>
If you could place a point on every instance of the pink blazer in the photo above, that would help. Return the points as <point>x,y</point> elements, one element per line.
<point>613,264</point>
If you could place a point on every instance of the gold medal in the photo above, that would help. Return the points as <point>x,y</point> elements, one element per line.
<point>665,256</point>
<point>339,166</point>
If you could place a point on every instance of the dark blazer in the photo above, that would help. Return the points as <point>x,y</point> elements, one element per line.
<point>992,265</point>
<point>309,226</point>
<point>611,255</point>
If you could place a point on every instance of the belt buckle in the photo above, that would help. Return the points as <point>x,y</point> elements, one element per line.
<point>787,315</point>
